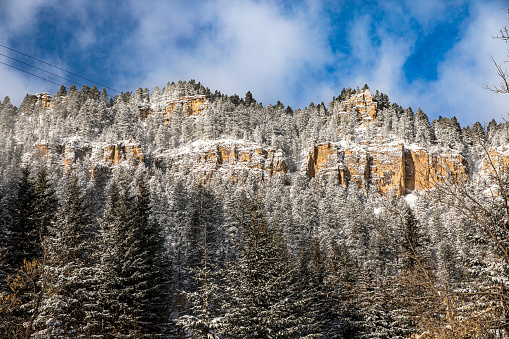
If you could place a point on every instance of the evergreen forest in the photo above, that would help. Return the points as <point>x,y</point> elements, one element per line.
<point>155,248</point>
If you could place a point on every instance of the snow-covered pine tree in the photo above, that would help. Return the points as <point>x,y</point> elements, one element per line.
<point>329,301</point>
<point>135,270</point>
<point>406,125</point>
<point>262,298</point>
<point>422,128</point>
<point>23,240</point>
<point>69,275</point>
<point>24,221</point>
<point>448,133</point>
<point>205,318</point>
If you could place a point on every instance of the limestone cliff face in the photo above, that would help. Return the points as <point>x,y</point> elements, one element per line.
<point>385,167</point>
<point>127,151</point>
<point>496,160</point>
<point>365,105</point>
<point>228,158</point>
<point>75,150</point>
<point>425,170</point>
<point>191,105</point>
<point>43,99</point>
<point>380,166</point>
<point>105,157</point>
<point>102,157</point>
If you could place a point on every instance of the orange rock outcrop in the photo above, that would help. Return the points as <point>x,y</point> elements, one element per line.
<point>43,99</point>
<point>41,148</point>
<point>102,157</point>
<point>191,105</point>
<point>495,161</point>
<point>385,167</point>
<point>365,105</point>
<point>230,159</point>
<point>426,170</point>
<point>116,153</point>
<point>74,151</point>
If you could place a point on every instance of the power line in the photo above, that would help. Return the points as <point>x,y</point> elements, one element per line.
<point>44,62</point>
<point>19,69</point>
<point>40,69</point>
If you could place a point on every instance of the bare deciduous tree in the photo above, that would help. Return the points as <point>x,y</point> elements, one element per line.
<point>502,72</point>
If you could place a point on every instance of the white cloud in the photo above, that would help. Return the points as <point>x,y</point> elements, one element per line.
<point>246,46</point>
<point>458,89</point>
<point>20,14</point>
<point>466,68</point>
<point>16,16</point>
<point>279,53</point>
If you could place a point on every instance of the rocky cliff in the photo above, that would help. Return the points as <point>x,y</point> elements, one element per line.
<point>379,166</point>
<point>189,105</point>
<point>103,157</point>
<point>496,160</point>
<point>228,158</point>
<point>385,167</point>
<point>205,158</point>
<point>43,99</point>
<point>374,164</point>
<point>364,104</point>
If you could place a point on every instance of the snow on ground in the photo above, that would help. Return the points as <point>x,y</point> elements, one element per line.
<point>411,200</point>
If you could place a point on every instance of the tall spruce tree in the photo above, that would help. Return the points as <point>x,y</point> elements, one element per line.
<point>422,127</point>
<point>262,298</point>
<point>27,215</point>
<point>204,322</point>
<point>23,236</point>
<point>68,272</point>
<point>135,270</point>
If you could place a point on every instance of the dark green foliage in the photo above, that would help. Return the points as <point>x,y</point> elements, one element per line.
<point>262,297</point>
<point>249,100</point>
<point>62,92</point>
<point>26,219</point>
<point>411,240</point>
<point>134,293</point>
<point>23,233</point>
<point>46,204</point>
<point>69,276</point>
<point>28,104</point>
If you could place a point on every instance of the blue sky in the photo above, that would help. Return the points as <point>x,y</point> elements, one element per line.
<point>434,54</point>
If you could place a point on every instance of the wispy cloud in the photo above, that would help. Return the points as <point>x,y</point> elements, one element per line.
<point>461,73</point>
<point>235,47</point>
<point>296,52</point>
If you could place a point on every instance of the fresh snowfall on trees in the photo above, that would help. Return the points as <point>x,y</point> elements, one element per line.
<point>186,213</point>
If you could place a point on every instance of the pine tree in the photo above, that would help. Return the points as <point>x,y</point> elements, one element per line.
<point>23,235</point>
<point>46,204</point>
<point>249,100</point>
<point>28,216</point>
<point>406,125</point>
<point>422,127</point>
<point>262,298</point>
<point>204,322</point>
<point>135,277</point>
<point>62,92</point>
<point>68,272</point>
<point>448,133</point>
